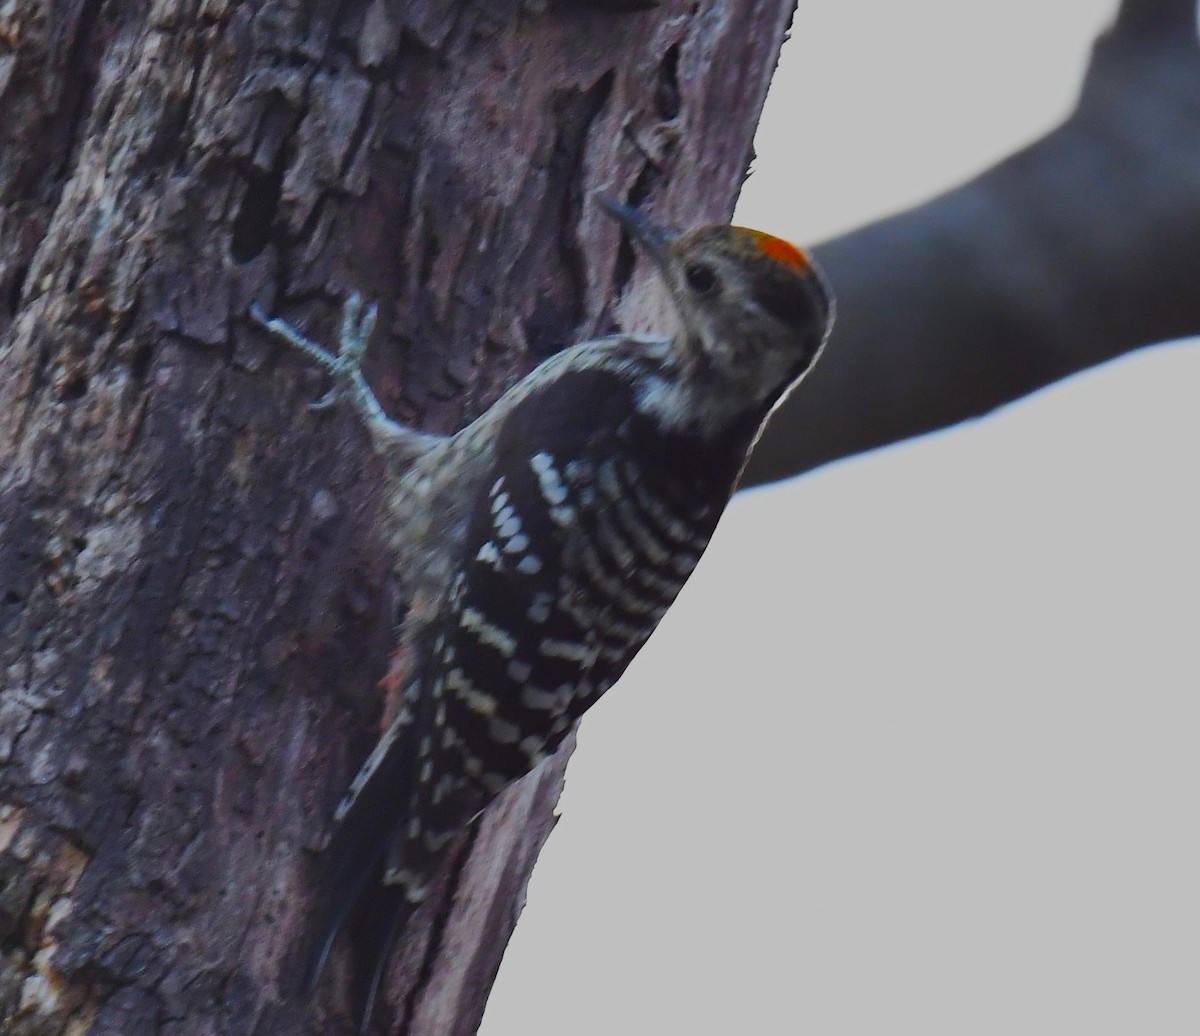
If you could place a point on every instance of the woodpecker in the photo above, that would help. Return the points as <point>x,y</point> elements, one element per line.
<point>545,540</point>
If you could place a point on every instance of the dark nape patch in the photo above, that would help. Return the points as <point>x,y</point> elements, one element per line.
<point>786,298</point>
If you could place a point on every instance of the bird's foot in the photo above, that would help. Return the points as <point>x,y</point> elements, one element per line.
<point>345,366</point>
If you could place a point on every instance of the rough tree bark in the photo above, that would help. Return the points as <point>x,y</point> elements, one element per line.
<point>1077,249</point>
<point>194,611</point>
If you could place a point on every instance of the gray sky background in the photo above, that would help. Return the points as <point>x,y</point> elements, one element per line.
<point>916,750</point>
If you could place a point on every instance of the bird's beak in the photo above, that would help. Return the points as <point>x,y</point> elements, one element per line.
<point>642,230</point>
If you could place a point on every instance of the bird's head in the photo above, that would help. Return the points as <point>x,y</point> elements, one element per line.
<point>755,310</point>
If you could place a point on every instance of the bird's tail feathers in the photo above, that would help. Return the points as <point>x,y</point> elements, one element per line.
<point>379,799</point>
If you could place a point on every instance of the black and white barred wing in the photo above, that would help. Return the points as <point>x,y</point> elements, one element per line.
<point>570,560</point>
<point>537,629</point>
<point>569,563</point>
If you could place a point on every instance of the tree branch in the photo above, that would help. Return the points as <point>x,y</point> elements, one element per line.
<point>1077,249</point>
<point>1137,17</point>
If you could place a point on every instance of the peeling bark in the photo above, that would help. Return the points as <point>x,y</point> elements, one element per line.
<point>195,608</point>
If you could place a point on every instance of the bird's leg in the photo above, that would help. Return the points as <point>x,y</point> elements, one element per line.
<point>345,366</point>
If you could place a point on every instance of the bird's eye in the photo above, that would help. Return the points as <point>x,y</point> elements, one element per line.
<point>700,278</point>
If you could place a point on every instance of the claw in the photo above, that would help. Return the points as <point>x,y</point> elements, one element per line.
<point>345,369</point>
<point>333,396</point>
<point>356,331</point>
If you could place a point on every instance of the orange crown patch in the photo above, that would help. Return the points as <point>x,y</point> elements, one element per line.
<point>780,250</point>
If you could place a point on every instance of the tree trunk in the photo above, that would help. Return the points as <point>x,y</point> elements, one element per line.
<point>195,609</point>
